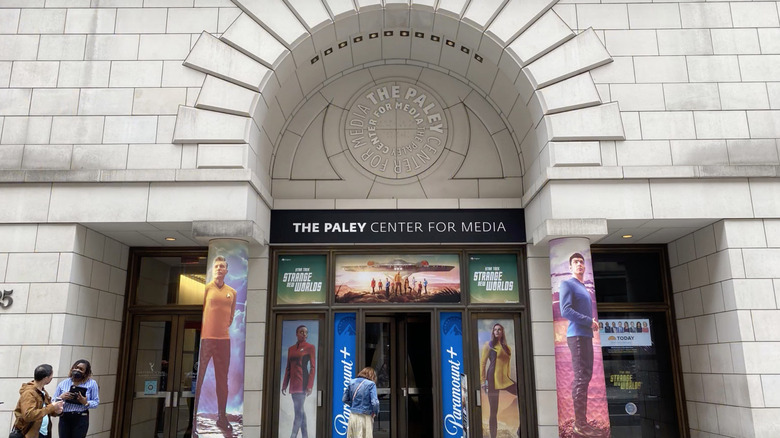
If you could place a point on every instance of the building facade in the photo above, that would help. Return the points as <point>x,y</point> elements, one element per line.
<point>135,133</point>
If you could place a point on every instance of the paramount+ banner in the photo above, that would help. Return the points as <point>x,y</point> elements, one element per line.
<point>344,341</point>
<point>452,375</point>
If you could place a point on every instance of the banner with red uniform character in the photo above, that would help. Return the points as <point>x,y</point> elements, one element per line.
<point>298,400</point>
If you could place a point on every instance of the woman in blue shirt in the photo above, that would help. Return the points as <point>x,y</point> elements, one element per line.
<point>80,393</point>
<point>360,396</point>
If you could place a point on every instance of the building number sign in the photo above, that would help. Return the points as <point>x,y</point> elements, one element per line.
<point>5,298</point>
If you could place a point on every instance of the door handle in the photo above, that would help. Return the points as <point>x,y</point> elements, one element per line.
<point>403,390</point>
<point>167,399</point>
<point>319,399</point>
<point>176,399</point>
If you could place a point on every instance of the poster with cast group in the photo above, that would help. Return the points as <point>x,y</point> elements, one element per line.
<point>579,367</point>
<point>298,392</point>
<point>493,278</point>
<point>498,378</point>
<point>398,278</point>
<point>301,279</point>
<point>219,386</point>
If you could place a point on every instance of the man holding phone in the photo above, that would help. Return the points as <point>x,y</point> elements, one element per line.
<point>35,406</point>
<point>80,393</point>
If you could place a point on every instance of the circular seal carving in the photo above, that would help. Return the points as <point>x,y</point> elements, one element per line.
<point>395,129</point>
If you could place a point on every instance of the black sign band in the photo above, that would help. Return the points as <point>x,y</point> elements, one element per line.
<point>397,226</point>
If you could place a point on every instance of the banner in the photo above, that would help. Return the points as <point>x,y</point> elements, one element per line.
<point>298,401</point>
<point>493,278</point>
<point>219,391</point>
<point>498,378</point>
<point>579,367</point>
<point>344,342</point>
<point>452,370</point>
<point>398,278</point>
<point>301,279</point>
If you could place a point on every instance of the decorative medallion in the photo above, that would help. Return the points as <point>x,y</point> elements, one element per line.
<point>395,129</point>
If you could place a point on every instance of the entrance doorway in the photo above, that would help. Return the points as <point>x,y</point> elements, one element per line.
<point>159,390</point>
<point>398,347</point>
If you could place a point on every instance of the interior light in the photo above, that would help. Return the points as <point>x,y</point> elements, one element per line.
<point>170,239</point>
<point>628,236</point>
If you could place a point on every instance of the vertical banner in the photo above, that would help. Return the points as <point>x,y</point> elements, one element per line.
<point>452,368</point>
<point>498,378</point>
<point>298,401</point>
<point>344,342</point>
<point>579,367</point>
<point>219,393</point>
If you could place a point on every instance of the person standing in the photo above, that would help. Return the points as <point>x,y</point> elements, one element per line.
<point>80,393</point>
<point>397,281</point>
<point>299,374</point>
<point>219,309</point>
<point>425,285</point>
<point>387,288</point>
<point>495,365</point>
<point>34,408</point>
<point>373,286</point>
<point>577,306</point>
<point>360,395</point>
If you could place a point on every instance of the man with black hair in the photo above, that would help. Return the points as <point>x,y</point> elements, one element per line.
<point>577,306</point>
<point>34,408</point>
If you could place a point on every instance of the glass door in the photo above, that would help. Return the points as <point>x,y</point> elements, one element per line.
<point>398,347</point>
<point>158,393</point>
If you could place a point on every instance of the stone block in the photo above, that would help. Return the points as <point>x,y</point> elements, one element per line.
<point>692,301</point>
<point>216,58</point>
<point>714,389</point>
<point>111,47</point>
<point>752,152</point>
<point>141,20</point>
<point>760,67</point>
<point>34,74</point>
<point>26,130</point>
<point>705,198</point>
<point>47,157</point>
<point>105,101</point>
<point>620,70</point>
<point>246,35</point>
<point>15,102</point>
<point>277,18</point>
<point>713,69</point>
<point>130,129</point>
<point>546,33</point>
<point>693,388</point>
<point>77,130</point>
<point>638,97</point>
<point>721,124</point>
<point>691,96</point>
<point>223,156</point>
<point>84,74</point>
<point>573,93</point>
<point>154,156</point>
<point>118,202</point>
<point>754,14</point>
<point>743,96</point>
<point>602,16</point>
<point>643,153</point>
<point>660,69</point>
<point>704,239</point>
<point>762,358</point>
<point>759,262</point>
<point>223,96</point>
<point>654,16</point>
<point>574,153</point>
<point>42,21</point>
<point>740,233</point>
<point>685,42</point>
<point>32,268</point>
<point>177,75</point>
<point>5,73</point>
<point>201,126</point>
<point>163,47</point>
<point>58,237</point>
<point>667,125</point>
<point>700,359</point>
<point>154,101</point>
<point>18,47</point>
<point>697,272</point>
<point>99,157</point>
<point>61,47</point>
<point>631,42</point>
<point>9,21</point>
<point>90,21</point>
<point>17,238</point>
<point>736,41</point>
<point>28,200</point>
<point>595,123</point>
<point>705,15</point>
<point>686,248</point>
<point>136,74</point>
<point>725,265</point>
<point>192,20</point>
<point>769,40</point>
<point>562,63</point>
<point>764,124</point>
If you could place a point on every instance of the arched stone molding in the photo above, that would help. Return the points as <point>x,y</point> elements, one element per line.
<point>272,63</point>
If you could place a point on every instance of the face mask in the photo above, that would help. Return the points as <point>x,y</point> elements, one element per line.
<point>78,375</point>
